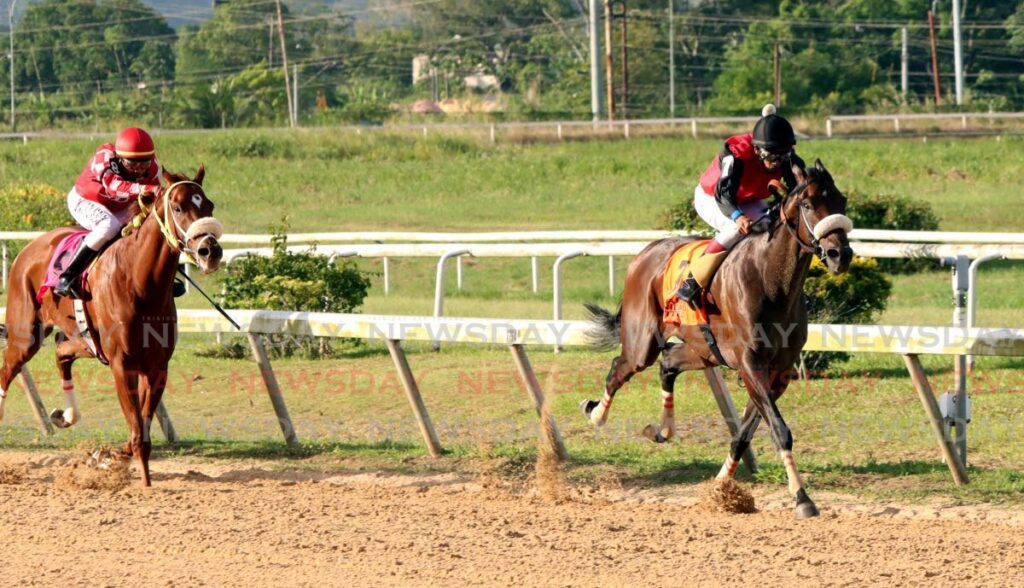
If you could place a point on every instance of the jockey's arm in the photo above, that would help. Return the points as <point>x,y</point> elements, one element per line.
<point>115,187</point>
<point>787,171</point>
<point>728,183</point>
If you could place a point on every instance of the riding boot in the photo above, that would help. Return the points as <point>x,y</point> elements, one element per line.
<point>701,271</point>
<point>69,278</point>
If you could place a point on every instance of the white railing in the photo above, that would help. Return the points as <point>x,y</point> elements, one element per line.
<point>559,128</point>
<point>962,117</point>
<point>908,341</point>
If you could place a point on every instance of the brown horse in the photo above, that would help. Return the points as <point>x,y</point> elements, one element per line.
<point>130,305</point>
<point>755,308</point>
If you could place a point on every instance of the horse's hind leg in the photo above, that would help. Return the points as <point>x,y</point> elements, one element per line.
<point>640,348</point>
<point>68,351</point>
<point>668,374</point>
<point>24,336</point>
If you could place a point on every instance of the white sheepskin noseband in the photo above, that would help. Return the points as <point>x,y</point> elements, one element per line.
<point>832,222</point>
<point>207,226</point>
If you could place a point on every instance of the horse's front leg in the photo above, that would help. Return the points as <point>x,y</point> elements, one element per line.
<point>761,394</point>
<point>127,382</point>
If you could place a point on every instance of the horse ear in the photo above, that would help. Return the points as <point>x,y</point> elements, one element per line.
<point>200,174</point>
<point>799,174</point>
<point>148,197</point>
<point>168,176</point>
<point>818,165</point>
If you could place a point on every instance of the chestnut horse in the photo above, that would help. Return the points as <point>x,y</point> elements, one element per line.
<point>130,305</point>
<point>755,308</point>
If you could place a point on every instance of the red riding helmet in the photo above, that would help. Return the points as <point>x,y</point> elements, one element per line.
<point>134,143</point>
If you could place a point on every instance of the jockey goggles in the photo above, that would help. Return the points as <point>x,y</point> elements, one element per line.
<point>773,157</point>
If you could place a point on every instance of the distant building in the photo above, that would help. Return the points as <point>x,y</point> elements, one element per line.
<point>421,68</point>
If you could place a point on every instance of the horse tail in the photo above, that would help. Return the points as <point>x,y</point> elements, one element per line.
<point>603,334</point>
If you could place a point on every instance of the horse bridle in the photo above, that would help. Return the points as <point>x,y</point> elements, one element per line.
<point>211,228</point>
<point>823,227</point>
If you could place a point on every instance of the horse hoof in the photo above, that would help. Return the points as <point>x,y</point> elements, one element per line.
<point>587,406</point>
<point>57,418</point>
<point>806,510</point>
<point>653,434</point>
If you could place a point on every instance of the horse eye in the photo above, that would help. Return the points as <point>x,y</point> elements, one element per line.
<point>176,208</point>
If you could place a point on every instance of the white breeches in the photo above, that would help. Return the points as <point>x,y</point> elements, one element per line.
<point>726,232</point>
<point>103,224</point>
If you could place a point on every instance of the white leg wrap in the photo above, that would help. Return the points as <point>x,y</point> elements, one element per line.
<point>599,415</point>
<point>71,414</point>
<point>795,483</point>
<point>3,399</point>
<point>728,468</point>
<point>668,418</point>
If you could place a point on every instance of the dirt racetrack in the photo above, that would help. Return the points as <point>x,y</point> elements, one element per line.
<point>242,523</point>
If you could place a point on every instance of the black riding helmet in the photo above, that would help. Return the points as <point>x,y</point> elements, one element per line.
<point>772,132</point>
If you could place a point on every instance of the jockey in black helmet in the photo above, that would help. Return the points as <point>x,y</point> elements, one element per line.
<point>732,191</point>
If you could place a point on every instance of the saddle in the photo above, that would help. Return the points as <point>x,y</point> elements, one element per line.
<point>676,311</point>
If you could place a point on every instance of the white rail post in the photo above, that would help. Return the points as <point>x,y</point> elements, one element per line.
<point>956,403</point>
<point>3,283</point>
<point>166,425</point>
<point>557,279</point>
<point>559,131</point>
<point>439,287</point>
<point>458,273</point>
<point>611,275</point>
<point>693,127</point>
<point>828,127</point>
<point>273,389</point>
<point>972,295</point>
<point>387,277</point>
<point>494,137</point>
<point>625,129</point>
<point>412,393</point>
<point>535,270</point>
<point>896,123</point>
<point>963,122</point>
<point>35,402</point>
<point>548,425</point>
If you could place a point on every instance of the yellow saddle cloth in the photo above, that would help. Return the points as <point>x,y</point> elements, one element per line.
<point>678,312</point>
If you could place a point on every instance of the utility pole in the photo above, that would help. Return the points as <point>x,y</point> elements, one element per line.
<point>958,54</point>
<point>295,95</point>
<point>10,35</point>
<point>595,60</point>
<point>904,65</point>
<point>625,61</point>
<point>778,76</point>
<point>935,58</point>
<point>671,60</point>
<point>609,73</point>
<point>284,60</point>
<point>270,42</point>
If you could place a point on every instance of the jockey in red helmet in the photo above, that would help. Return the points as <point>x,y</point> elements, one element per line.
<point>732,191</point>
<point>103,197</point>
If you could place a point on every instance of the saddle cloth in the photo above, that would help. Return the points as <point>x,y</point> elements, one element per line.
<point>61,258</point>
<point>676,311</point>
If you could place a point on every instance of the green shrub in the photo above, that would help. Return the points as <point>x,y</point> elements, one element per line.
<point>894,213</point>
<point>682,216</point>
<point>294,281</point>
<point>856,297</point>
<point>33,207</point>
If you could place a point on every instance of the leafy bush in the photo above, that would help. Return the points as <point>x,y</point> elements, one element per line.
<point>856,297</point>
<point>894,213</point>
<point>298,282</point>
<point>682,216</point>
<point>32,207</point>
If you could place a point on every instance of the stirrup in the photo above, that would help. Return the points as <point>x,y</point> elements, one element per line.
<point>178,289</point>
<point>689,291</point>
<point>69,290</point>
